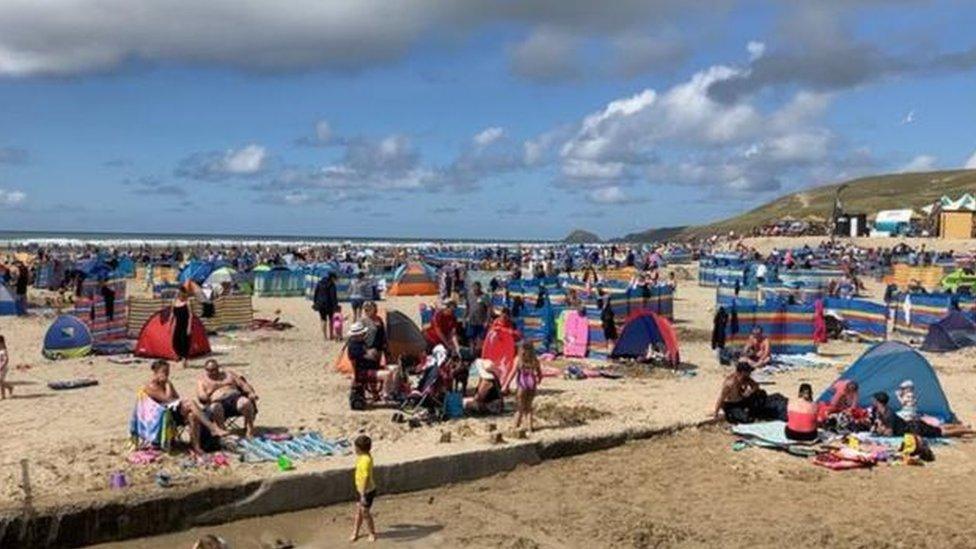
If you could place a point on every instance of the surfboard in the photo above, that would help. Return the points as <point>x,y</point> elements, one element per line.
<point>577,338</point>
<point>500,349</point>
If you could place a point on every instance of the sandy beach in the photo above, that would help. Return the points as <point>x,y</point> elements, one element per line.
<point>73,440</point>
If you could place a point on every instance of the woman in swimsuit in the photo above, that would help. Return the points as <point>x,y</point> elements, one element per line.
<point>528,375</point>
<point>182,325</point>
<point>801,416</point>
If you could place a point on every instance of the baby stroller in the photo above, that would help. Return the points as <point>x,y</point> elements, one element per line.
<point>435,380</point>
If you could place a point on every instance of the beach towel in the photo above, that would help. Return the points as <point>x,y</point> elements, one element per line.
<point>72,383</point>
<point>299,447</point>
<point>152,424</point>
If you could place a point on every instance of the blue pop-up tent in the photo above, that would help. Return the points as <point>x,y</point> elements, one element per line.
<point>883,367</point>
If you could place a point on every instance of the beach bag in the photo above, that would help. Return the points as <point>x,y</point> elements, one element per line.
<point>453,405</point>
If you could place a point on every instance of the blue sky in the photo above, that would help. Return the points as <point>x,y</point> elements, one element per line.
<point>472,118</point>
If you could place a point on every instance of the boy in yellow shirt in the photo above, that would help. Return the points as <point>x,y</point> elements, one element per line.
<point>364,487</point>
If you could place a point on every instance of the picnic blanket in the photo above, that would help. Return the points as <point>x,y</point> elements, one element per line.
<point>772,434</point>
<point>299,447</point>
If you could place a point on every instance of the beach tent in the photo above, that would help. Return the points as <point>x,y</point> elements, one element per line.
<point>8,303</point>
<point>68,337</point>
<point>952,333</point>
<point>197,271</point>
<point>892,222</point>
<point>884,366</point>
<point>414,278</point>
<point>643,329</point>
<point>126,267</point>
<point>403,337</point>
<point>156,338</point>
<point>220,276</point>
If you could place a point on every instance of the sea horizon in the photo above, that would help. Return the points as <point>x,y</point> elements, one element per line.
<point>15,237</point>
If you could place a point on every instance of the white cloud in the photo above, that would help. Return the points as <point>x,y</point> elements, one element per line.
<point>921,163</point>
<point>488,136</point>
<point>908,118</point>
<point>246,161</point>
<point>971,163</point>
<point>756,49</point>
<point>323,131</point>
<point>12,198</point>
<point>608,195</point>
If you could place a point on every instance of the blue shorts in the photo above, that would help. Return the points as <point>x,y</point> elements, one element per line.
<point>357,303</point>
<point>476,331</point>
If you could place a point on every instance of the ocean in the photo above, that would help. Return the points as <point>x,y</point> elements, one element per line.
<point>67,238</point>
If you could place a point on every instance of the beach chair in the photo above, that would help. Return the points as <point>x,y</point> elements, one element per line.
<point>152,424</point>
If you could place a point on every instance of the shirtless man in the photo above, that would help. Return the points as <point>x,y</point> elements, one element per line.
<point>736,399</point>
<point>757,352</point>
<point>226,394</point>
<point>185,412</point>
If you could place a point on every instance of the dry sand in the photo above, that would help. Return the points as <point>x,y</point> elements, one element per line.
<point>73,440</point>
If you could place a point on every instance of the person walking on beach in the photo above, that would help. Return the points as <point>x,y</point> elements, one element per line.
<point>182,325</point>
<point>365,488</point>
<point>528,375</point>
<point>357,295</point>
<point>326,303</point>
<point>4,368</point>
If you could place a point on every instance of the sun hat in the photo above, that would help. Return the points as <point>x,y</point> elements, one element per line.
<point>357,329</point>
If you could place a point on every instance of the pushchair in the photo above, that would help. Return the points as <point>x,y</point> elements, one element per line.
<point>427,398</point>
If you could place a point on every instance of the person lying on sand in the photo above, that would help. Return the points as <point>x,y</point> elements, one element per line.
<point>757,351</point>
<point>185,412</point>
<point>225,394</point>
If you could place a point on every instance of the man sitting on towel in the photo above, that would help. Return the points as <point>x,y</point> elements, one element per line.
<point>757,352</point>
<point>225,394</point>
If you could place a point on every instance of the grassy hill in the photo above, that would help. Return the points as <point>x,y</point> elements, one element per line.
<point>580,236</point>
<point>864,195</point>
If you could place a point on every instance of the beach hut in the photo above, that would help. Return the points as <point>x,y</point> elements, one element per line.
<point>8,303</point>
<point>67,337</point>
<point>642,330</point>
<point>883,367</point>
<point>414,278</point>
<point>156,338</point>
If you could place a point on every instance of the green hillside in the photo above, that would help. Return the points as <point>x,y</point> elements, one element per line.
<point>864,195</point>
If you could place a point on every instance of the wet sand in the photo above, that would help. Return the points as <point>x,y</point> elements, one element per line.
<point>686,490</point>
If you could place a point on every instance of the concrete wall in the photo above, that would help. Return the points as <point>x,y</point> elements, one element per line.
<point>169,511</point>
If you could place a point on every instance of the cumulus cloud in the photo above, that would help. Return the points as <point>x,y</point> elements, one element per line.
<point>10,199</point>
<point>246,161</point>
<point>684,136</point>
<point>389,163</point>
<point>921,163</point>
<point>608,195</point>
<point>322,136</point>
<point>971,163</point>
<point>488,136</point>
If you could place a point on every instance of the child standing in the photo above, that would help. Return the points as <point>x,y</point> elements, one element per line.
<point>337,321</point>
<point>365,488</point>
<point>527,378</point>
<point>4,367</point>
